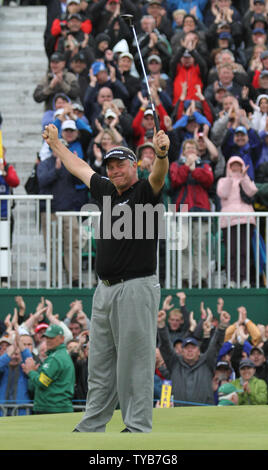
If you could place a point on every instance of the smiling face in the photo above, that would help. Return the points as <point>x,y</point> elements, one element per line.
<point>52,343</point>
<point>188,24</point>
<point>236,167</point>
<point>125,64</point>
<point>107,141</point>
<point>147,24</point>
<point>190,353</point>
<point>69,135</point>
<point>257,357</point>
<point>57,67</point>
<point>246,373</point>
<point>175,320</point>
<point>264,105</point>
<point>240,139</point>
<point>74,25</point>
<point>226,75</point>
<point>105,94</point>
<point>148,122</point>
<point>122,173</point>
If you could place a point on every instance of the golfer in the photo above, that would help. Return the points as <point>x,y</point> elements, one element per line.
<point>126,300</point>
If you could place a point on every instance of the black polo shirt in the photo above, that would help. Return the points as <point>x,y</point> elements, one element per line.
<point>123,249</point>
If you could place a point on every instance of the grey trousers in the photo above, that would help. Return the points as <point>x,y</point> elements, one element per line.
<point>122,354</point>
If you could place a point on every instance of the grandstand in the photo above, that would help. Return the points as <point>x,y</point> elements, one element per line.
<point>23,62</point>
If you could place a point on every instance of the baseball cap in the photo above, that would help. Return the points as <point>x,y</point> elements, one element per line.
<point>73,1</point>
<point>258,18</point>
<point>225,35</point>
<point>256,348</point>
<point>80,56</point>
<point>227,389</point>
<point>41,326</point>
<point>241,129</point>
<point>57,57</point>
<point>258,31</point>
<point>223,364</point>
<point>126,54</point>
<point>74,15</point>
<point>186,53</point>
<point>110,113</point>
<point>121,153</point>
<point>154,57</point>
<point>143,146</point>
<point>58,112</point>
<point>78,106</point>
<point>246,363</point>
<point>177,340</point>
<point>259,1</point>
<point>98,67</point>
<point>54,330</point>
<point>148,111</point>
<point>189,340</point>
<point>68,124</point>
<point>5,339</point>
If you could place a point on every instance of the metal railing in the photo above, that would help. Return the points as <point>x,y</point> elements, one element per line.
<point>191,252</point>
<point>217,262</point>
<point>15,409</point>
<point>22,246</point>
<point>191,240</point>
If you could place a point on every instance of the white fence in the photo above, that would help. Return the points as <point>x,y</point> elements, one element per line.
<point>193,252</point>
<point>24,260</point>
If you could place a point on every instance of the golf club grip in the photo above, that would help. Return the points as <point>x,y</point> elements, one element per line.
<point>157,126</point>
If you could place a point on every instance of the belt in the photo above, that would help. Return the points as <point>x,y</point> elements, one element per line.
<point>112,282</point>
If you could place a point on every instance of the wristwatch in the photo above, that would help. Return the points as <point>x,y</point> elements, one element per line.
<point>162,157</point>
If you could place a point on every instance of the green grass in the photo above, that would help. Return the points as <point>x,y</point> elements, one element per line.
<point>190,428</point>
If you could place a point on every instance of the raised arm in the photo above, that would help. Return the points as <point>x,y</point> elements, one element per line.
<point>72,163</point>
<point>161,163</point>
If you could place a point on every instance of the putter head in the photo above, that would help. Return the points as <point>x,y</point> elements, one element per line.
<point>128,19</point>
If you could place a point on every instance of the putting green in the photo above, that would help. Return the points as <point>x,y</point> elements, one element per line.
<point>189,428</point>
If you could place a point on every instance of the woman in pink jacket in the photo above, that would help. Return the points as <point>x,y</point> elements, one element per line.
<point>230,190</point>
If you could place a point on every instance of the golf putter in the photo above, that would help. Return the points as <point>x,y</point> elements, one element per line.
<point>129,20</point>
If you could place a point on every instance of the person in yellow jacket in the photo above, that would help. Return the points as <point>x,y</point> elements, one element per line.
<point>249,327</point>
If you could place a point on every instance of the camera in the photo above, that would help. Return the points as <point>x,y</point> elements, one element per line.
<point>63,25</point>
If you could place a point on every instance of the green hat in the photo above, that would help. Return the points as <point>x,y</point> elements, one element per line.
<point>54,330</point>
<point>227,389</point>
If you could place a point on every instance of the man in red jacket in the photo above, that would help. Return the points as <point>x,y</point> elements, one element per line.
<point>191,180</point>
<point>144,120</point>
<point>187,65</point>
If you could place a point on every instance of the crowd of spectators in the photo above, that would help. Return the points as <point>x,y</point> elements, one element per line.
<point>207,68</point>
<point>43,352</point>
